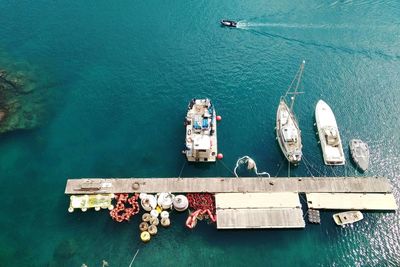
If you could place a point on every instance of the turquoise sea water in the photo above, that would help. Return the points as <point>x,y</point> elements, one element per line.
<point>121,75</point>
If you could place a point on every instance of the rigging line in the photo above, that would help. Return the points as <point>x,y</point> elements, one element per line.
<point>280,167</point>
<point>133,259</point>
<point>183,166</point>
<point>320,173</point>
<point>333,170</point>
<point>226,167</point>
<point>305,214</point>
<point>305,164</point>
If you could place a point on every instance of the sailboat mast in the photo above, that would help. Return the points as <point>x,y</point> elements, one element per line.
<point>298,76</point>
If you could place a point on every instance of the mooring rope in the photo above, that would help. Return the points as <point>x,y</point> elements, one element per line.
<point>133,259</point>
<point>280,167</point>
<point>183,166</point>
<point>226,167</point>
<point>247,159</point>
<point>320,173</point>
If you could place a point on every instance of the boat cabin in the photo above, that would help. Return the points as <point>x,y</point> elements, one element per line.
<point>331,136</point>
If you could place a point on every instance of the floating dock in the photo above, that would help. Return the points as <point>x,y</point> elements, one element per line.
<point>259,210</point>
<point>249,202</point>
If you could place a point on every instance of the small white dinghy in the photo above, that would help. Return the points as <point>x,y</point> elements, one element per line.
<point>347,217</point>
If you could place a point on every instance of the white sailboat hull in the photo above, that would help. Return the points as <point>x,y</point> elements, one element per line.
<point>331,144</point>
<point>347,217</point>
<point>288,133</point>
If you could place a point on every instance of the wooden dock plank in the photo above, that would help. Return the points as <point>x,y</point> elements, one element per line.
<point>260,218</point>
<point>225,185</point>
<point>257,200</point>
<point>351,201</point>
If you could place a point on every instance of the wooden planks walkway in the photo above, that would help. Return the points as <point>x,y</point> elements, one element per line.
<point>230,185</point>
<point>259,210</point>
<point>346,201</point>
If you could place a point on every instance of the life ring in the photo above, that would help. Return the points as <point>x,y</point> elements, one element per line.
<point>143,226</point>
<point>145,236</point>
<point>146,217</point>
<point>152,230</point>
<point>189,131</point>
<point>165,222</point>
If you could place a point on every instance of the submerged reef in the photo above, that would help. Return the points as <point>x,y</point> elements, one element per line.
<point>21,103</point>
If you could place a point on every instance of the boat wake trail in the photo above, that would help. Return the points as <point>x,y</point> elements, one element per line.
<point>243,24</point>
<point>369,53</point>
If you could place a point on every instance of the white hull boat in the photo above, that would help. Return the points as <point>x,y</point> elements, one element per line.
<point>201,131</point>
<point>360,153</point>
<point>331,144</point>
<point>347,217</point>
<point>287,128</point>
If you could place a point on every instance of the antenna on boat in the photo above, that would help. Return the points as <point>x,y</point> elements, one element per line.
<point>297,78</point>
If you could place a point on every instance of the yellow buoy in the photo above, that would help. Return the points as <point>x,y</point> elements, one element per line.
<point>159,209</point>
<point>152,229</point>
<point>146,217</point>
<point>145,236</point>
<point>143,226</point>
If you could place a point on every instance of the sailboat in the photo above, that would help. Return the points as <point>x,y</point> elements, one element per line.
<point>287,128</point>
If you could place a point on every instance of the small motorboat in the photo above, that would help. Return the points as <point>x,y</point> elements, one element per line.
<point>347,217</point>
<point>229,23</point>
<point>360,153</point>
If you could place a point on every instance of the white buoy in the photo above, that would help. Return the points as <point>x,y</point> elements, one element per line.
<point>165,214</point>
<point>148,202</point>
<point>145,204</point>
<point>181,203</point>
<point>142,195</point>
<point>154,213</point>
<point>165,200</point>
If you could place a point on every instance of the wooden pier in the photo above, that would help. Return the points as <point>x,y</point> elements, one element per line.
<point>249,202</point>
<point>230,185</point>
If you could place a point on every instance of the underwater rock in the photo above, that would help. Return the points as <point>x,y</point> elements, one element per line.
<point>20,107</point>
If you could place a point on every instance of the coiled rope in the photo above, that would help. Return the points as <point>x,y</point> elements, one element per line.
<point>251,164</point>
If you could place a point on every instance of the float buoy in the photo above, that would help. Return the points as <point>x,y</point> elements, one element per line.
<point>164,214</point>
<point>165,222</point>
<point>154,213</point>
<point>143,226</point>
<point>70,209</point>
<point>154,221</point>
<point>180,203</point>
<point>145,236</point>
<point>146,217</point>
<point>152,230</point>
<point>219,118</point>
<point>220,156</point>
